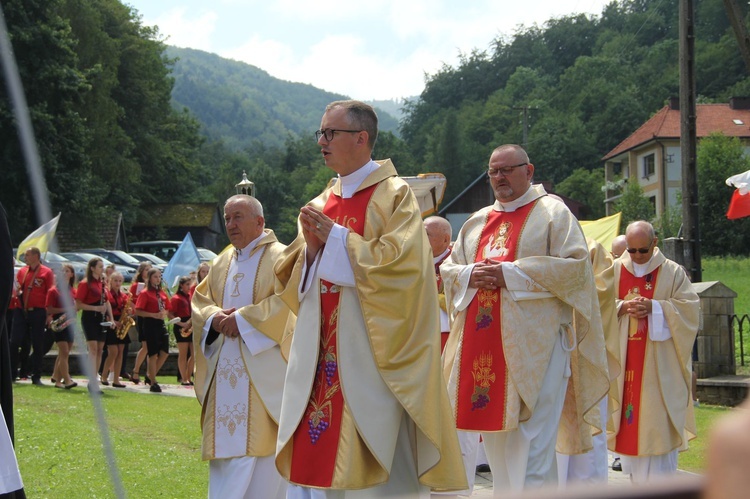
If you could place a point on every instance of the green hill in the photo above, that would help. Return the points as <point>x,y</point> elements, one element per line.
<point>239,104</point>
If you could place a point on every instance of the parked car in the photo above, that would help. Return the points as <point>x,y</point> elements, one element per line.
<point>54,261</point>
<point>165,249</point>
<point>128,273</point>
<point>117,257</point>
<point>148,257</point>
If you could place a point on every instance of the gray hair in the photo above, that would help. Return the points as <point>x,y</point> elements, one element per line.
<point>255,207</point>
<point>361,116</point>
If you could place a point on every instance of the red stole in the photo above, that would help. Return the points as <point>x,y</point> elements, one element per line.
<point>315,442</point>
<point>627,438</point>
<point>483,376</point>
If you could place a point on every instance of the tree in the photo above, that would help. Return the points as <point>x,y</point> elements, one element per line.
<point>585,186</point>
<point>720,157</point>
<point>634,205</point>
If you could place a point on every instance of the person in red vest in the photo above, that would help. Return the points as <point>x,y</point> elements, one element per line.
<point>364,405</point>
<point>658,315</point>
<point>32,283</point>
<point>524,362</point>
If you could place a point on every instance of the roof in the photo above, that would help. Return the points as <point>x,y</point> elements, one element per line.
<point>178,215</point>
<point>665,124</point>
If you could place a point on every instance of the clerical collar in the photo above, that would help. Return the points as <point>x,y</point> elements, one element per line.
<point>639,269</point>
<point>533,192</point>
<point>436,259</point>
<point>244,253</point>
<point>350,183</point>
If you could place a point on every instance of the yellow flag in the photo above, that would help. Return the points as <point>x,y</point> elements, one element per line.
<point>40,237</point>
<point>603,230</point>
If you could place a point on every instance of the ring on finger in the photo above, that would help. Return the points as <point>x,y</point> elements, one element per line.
<point>317,225</point>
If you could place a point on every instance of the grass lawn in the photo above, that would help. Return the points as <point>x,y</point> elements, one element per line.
<point>733,272</point>
<point>694,458</point>
<point>156,441</point>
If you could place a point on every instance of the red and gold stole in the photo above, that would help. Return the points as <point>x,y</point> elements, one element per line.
<point>316,440</point>
<point>483,376</point>
<point>630,287</point>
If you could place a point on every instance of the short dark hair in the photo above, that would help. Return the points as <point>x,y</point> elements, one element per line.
<point>361,116</point>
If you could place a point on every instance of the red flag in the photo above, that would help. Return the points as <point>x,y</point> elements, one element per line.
<point>739,206</point>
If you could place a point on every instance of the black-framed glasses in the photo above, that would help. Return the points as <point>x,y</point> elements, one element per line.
<point>642,251</point>
<point>504,171</point>
<point>328,133</point>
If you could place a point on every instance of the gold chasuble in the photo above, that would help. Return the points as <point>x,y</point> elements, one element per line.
<point>548,245</point>
<point>364,358</point>
<point>654,414</point>
<point>483,372</point>
<point>270,316</point>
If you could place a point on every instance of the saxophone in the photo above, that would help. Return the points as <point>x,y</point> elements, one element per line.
<point>126,319</point>
<point>59,324</point>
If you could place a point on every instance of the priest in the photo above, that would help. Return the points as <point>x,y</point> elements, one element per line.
<point>658,315</point>
<point>365,411</point>
<point>526,351</point>
<point>238,323</point>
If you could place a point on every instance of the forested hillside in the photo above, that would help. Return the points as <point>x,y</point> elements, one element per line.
<point>238,103</point>
<point>123,121</point>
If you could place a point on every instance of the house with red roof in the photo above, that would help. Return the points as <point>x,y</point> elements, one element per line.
<point>651,155</point>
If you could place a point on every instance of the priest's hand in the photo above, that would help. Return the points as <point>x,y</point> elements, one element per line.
<point>224,322</point>
<point>487,275</point>
<point>315,229</point>
<point>638,308</point>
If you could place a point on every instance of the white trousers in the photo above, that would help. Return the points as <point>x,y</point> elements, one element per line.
<point>245,478</point>
<point>525,458</point>
<point>643,469</point>
<point>591,467</point>
<point>402,482</point>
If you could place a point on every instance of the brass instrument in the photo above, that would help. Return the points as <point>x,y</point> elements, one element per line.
<point>59,324</point>
<point>126,319</point>
<point>187,331</point>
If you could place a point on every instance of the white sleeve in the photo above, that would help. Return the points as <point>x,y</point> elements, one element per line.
<point>658,329</point>
<point>334,264</point>
<point>256,341</point>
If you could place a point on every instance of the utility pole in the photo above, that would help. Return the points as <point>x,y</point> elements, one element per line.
<point>691,232</point>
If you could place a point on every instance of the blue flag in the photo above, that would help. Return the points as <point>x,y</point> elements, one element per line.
<point>184,261</point>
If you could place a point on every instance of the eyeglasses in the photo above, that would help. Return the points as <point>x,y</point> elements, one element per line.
<point>642,251</point>
<point>328,133</point>
<point>505,170</point>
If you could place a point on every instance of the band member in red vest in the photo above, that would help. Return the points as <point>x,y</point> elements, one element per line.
<point>523,348</point>
<point>32,284</point>
<point>364,405</point>
<point>658,314</point>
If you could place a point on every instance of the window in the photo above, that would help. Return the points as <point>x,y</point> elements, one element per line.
<point>649,165</point>
<point>617,169</point>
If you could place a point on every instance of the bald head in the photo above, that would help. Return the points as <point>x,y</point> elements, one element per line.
<point>618,246</point>
<point>641,239</point>
<point>439,232</point>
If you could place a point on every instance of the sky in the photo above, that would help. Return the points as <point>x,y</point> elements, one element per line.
<point>374,50</point>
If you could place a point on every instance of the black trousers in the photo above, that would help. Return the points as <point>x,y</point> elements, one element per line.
<point>29,325</point>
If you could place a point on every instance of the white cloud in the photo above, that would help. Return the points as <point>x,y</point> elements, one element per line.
<point>181,30</point>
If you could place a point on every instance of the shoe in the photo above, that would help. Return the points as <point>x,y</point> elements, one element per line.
<point>118,385</point>
<point>191,383</point>
<point>37,382</point>
<point>104,382</point>
<point>52,380</point>
<point>135,379</point>
<point>94,391</point>
<point>147,380</point>
<point>71,385</point>
<point>186,383</point>
<point>155,388</point>
<point>125,376</point>
<point>59,385</point>
<point>483,468</point>
<point>616,464</point>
